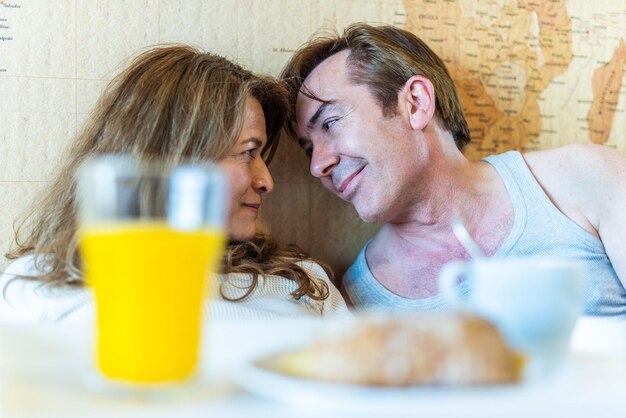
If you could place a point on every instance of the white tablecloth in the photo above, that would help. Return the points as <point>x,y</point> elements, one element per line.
<point>47,371</point>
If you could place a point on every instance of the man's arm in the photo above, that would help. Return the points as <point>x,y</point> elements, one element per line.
<point>588,184</point>
<point>610,206</point>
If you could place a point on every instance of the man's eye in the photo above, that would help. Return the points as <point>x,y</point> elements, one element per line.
<point>329,123</point>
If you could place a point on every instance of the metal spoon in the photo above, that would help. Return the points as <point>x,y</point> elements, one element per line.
<point>466,239</point>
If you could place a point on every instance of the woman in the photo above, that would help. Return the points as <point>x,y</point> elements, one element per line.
<point>174,103</point>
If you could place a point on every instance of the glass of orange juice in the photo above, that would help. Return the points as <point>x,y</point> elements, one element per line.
<point>150,235</point>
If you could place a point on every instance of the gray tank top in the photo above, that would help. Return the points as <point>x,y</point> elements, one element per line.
<point>539,229</point>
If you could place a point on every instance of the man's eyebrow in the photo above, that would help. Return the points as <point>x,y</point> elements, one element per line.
<point>317,114</point>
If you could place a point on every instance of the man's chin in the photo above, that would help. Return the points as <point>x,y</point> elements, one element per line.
<point>369,216</point>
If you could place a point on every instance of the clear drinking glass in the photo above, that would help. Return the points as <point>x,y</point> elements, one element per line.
<point>149,237</point>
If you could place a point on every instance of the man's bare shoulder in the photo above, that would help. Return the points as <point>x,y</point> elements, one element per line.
<point>577,159</point>
<point>580,179</point>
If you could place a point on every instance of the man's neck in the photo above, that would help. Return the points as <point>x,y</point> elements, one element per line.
<point>408,252</point>
<point>447,186</point>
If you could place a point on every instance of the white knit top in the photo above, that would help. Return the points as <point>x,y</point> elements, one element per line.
<point>29,301</point>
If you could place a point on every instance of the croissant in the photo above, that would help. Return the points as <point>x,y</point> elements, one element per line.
<point>425,349</point>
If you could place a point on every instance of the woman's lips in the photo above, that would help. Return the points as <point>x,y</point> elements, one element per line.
<point>252,206</point>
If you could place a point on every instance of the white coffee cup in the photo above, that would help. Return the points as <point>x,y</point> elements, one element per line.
<point>534,302</point>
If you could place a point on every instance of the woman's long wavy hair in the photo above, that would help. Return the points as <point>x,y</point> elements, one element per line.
<point>173,103</point>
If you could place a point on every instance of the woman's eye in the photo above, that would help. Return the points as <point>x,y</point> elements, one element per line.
<point>306,145</point>
<point>329,123</point>
<point>249,153</point>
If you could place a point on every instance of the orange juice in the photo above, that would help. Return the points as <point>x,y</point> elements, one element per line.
<point>149,283</point>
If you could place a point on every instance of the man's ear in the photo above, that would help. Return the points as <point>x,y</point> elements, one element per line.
<point>418,99</point>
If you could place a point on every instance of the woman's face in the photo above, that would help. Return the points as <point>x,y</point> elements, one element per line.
<point>248,173</point>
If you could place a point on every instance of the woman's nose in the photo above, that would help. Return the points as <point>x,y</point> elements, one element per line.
<point>262,181</point>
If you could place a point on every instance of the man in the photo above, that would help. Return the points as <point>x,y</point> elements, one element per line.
<point>380,117</point>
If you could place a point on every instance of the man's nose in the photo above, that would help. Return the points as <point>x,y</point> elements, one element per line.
<point>323,161</point>
<point>262,181</point>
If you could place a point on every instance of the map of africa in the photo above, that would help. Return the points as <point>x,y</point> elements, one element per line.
<point>532,74</point>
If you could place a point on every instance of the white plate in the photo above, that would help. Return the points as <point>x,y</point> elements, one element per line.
<point>518,399</point>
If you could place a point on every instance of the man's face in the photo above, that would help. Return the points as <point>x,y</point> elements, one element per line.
<point>357,153</point>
